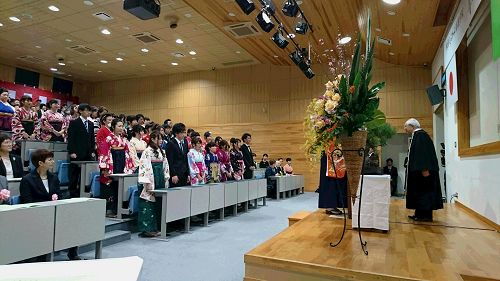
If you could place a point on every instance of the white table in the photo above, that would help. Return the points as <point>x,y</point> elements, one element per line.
<point>280,186</point>
<point>26,231</point>
<point>200,201</point>
<point>231,195</point>
<point>217,198</point>
<point>123,269</point>
<point>14,186</point>
<point>124,180</point>
<point>86,168</point>
<point>243,193</point>
<point>262,190</point>
<point>374,204</point>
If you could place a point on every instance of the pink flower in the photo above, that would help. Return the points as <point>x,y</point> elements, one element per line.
<point>4,194</point>
<point>54,197</point>
<point>327,121</point>
<point>320,118</point>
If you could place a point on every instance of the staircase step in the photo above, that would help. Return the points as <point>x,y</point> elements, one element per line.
<point>110,238</point>
<point>112,225</point>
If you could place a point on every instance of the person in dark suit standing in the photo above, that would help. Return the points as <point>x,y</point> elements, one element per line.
<point>247,156</point>
<point>177,150</point>
<point>42,185</point>
<point>393,172</point>
<point>81,145</point>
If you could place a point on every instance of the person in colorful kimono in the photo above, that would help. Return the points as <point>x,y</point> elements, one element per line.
<point>237,159</point>
<point>197,168</point>
<point>154,173</point>
<point>225,161</point>
<point>103,132</point>
<point>114,159</point>
<point>212,163</point>
<point>137,145</point>
<point>6,111</point>
<point>54,124</point>
<point>25,123</point>
<point>208,138</point>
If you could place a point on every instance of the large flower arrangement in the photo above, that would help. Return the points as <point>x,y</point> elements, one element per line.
<point>347,105</point>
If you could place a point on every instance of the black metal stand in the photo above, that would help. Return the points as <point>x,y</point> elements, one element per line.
<point>361,153</point>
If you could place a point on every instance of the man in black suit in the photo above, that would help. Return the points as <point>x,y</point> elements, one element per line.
<point>278,168</point>
<point>81,146</point>
<point>247,156</point>
<point>393,172</point>
<point>176,151</point>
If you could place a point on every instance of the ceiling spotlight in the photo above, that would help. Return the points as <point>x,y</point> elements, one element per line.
<point>391,53</point>
<point>280,40</point>
<point>270,7</point>
<point>275,56</point>
<point>1,24</point>
<point>301,27</point>
<point>238,52</point>
<point>119,59</point>
<point>298,60</point>
<point>88,3</point>
<point>105,31</point>
<point>392,2</point>
<point>121,54</point>
<point>143,65</point>
<point>53,69</point>
<point>406,34</point>
<point>68,40</point>
<point>145,50</point>
<point>104,61</point>
<point>62,63</point>
<point>264,21</point>
<point>28,16</point>
<point>70,62</point>
<point>14,19</point>
<point>192,53</point>
<point>174,63</point>
<point>345,40</point>
<point>38,47</point>
<point>179,41</point>
<point>194,58</point>
<point>247,6</point>
<point>378,29</point>
<point>70,75</point>
<point>54,8</point>
<point>391,13</point>
<point>231,15</point>
<point>126,28</point>
<point>187,15</point>
<point>99,71</point>
<point>290,9</point>
<point>308,73</point>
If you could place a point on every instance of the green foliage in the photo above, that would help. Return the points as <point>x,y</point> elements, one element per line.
<point>378,136</point>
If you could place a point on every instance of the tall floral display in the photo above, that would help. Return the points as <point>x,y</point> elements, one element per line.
<point>344,114</point>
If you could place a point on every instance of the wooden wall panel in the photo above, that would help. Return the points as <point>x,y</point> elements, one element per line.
<point>7,73</point>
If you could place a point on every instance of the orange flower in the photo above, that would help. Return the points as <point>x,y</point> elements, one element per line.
<point>345,114</point>
<point>333,127</point>
<point>352,89</point>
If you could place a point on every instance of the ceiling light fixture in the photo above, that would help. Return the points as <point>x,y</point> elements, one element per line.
<point>231,15</point>
<point>192,53</point>
<point>62,63</point>
<point>391,13</point>
<point>238,52</point>
<point>179,41</point>
<point>187,15</point>
<point>53,69</point>
<point>194,58</point>
<point>105,31</point>
<point>174,63</point>
<point>391,53</point>
<point>99,71</point>
<point>1,24</point>
<point>119,59</point>
<point>301,27</point>
<point>406,34</point>
<point>290,9</point>
<point>38,47</point>
<point>345,40</point>
<point>291,35</point>
<point>14,19</point>
<point>247,6</point>
<point>104,61</point>
<point>126,28</point>
<point>28,16</point>
<point>70,75</point>
<point>70,62</point>
<point>392,2</point>
<point>378,29</point>
<point>121,54</point>
<point>298,58</point>
<point>145,50</point>
<point>280,40</point>
<point>54,8</point>
<point>143,65</point>
<point>264,21</point>
<point>275,56</point>
<point>68,40</point>
<point>88,3</point>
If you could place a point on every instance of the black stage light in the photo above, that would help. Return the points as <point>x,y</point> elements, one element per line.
<point>280,40</point>
<point>308,72</point>
<point>246,5</point>
<point>264,21</point>
<point>270,7</point>
<point>290,9</point>
<point>298,60</point>
<point>301,27</point>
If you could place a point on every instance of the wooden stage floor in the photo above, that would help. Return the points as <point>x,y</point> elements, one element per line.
<point>456,246</point>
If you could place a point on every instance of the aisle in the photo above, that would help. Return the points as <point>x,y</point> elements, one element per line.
<point>211,253</point>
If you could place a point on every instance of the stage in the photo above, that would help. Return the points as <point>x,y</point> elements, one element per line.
<point>456,246</point>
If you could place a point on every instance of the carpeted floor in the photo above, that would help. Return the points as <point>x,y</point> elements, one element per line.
<point>215,252</point>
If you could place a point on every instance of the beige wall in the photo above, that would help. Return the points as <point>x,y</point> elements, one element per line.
<point>266,101</point>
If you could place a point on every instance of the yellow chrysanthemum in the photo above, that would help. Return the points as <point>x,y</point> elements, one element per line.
<point>329,94</point>
<point>336,97</point>
<point>320,124</point>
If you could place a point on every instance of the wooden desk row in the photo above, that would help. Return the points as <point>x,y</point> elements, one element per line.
<point>31,230</point>
<point>289,185</point>
<point>184,202</point>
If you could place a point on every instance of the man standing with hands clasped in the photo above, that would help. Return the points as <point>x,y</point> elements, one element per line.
<point>423,186</point>
<point>247,156</point>
<point>81,146</point>
<point>177,150</point>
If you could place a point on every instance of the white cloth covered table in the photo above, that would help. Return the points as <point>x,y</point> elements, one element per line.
<point>374,204</point>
